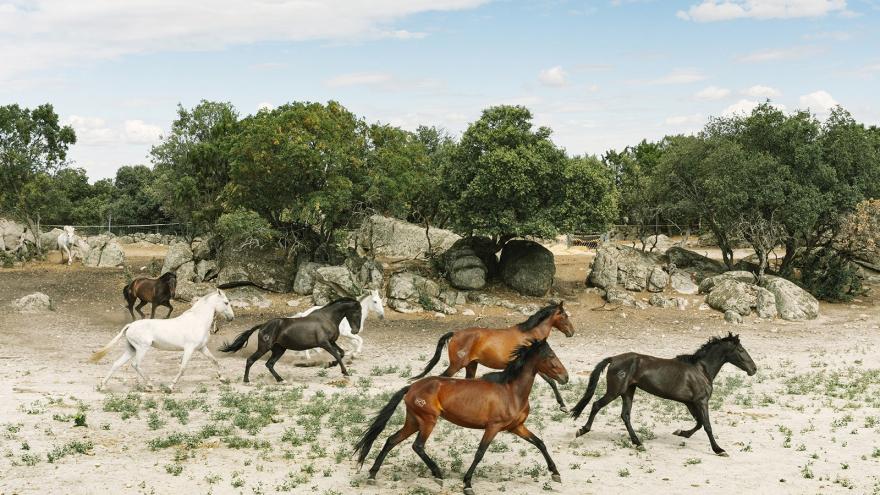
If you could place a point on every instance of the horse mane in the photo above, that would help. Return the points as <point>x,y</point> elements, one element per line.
<point>342,300</point>
<point>705,348</point>
<point>537,318</point>
<point>167,276</point>
<point>518,359</point>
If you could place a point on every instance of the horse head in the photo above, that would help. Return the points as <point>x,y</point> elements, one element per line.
<point>375,303</point>
<point>562,322</point>
<point>222,306</point>
<point>738,356</point>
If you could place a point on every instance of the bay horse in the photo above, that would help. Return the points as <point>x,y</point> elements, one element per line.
<point>687,379</point>
<point>187,332</point>
<point>158,291</point>
<point>491,347</point>
<point>494,403</point>
<point>318,329</point>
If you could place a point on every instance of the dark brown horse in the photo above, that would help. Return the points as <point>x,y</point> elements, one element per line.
<point>494,403</point>
<point>158,291</point>
<point>491,347</point>
<point>317,329</point>
<point>687,379</point>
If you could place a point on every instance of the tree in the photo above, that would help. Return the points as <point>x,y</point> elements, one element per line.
<point>133,202</point>
<point>590,200</point>
<point>33,145</point>
<point>506,179</point>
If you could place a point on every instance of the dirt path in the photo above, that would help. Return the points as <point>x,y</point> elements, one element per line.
<point>808,422</point>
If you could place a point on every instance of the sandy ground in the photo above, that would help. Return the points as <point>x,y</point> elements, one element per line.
<point>808,422</point>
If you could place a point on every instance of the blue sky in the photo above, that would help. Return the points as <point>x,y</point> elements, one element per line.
<point>601,74</point>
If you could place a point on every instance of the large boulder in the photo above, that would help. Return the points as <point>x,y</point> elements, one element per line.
<point>34,303</point>
<point>11,232</point>
<point>603,273</point>
<point>201,248</point>
<point>527,267</point>
<point>186,272</point>
<point>385,236</point>
<point>269,266</point>
<point>709,283</point>
<point>682,283</point>
<point>104,252</point>
<point>178,254</point>
<point>333,282</point>
<point>304,283</point>
<point>629,267</point>
<point>792,302</point>
<point>765,303</point>
<point>408,293</point>
<point>694,263</point>
<point>368,273</point>
<point>465,267</point>
<point>205,270</point>
<point>188,291</point>
<point>49,240</point>
<point>615,295</point>
<point>732,295</point>
<point>658,279</point>
<point>657,243</point>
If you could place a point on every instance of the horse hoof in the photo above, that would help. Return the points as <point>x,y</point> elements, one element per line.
<point>723,454</point>
<point>677,433</point>
<point>371,481</point>
<point>556,478</point>
<point>469,491</point>
<point>439,481</point>
<point>563,408</point>
<point>580,432</point>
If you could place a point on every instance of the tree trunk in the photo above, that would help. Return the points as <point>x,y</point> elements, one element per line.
<point>35,231</point>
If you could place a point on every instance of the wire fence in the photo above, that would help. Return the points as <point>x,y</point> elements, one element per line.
<point>174,228</point>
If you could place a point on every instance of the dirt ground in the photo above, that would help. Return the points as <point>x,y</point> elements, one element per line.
<point>808,422</point>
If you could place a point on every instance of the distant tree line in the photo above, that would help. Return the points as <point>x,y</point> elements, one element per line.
<point>303,173</point>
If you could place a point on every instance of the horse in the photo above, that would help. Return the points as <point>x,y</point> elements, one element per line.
<point>687,379</point>
<point>491,346</point>
<point>187,332</point>
<point>319,329</point>
<point>158,291</point>
<point>494,403</point>
<point>69,239</point>
<point>369,302</point>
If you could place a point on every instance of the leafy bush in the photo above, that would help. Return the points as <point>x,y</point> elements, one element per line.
<point>245,228</point>
<point>830,276</point>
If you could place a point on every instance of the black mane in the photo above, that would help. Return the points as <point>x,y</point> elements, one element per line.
<point>342,300</point>
<point>705,348</point>
<point>537,318</point>
<point>518,359</point>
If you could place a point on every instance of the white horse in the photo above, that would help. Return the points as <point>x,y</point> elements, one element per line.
<point>371,301</point>
<point>187,332</point>
<point>68,239</point>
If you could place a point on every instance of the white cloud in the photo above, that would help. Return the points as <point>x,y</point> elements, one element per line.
<point>265,105</point>
<point>759,91</point>
<point>745,106</point>
<point>725,10</point>
<point>829,35</point>
<point>680,120</point>
<point>774,55</point>
<point>819,102</point>
<point>44,34</point>
<point>94,131</point>
<point>712,93</point>
<point>139,132</point>
<point>679,76</point>
<point>554,76</point>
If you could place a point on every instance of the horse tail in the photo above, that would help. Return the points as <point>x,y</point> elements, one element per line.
<point>363,445</point>
<point>104,350</point>
<point>240,341</point>
<point>246,283</point>
<point>591,388</point>
<point>433,362</point>
<point>126,292</point>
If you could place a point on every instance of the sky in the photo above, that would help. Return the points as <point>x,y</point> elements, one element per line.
<point>602,74</point>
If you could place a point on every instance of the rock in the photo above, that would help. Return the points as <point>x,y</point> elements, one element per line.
<point>732,316</point>
<point>368,273</point>
<point>698,265</point>
<point>153,238</point>
<point>481,298</point>
<point>125,239</point>
<point>385,236</point>
<point>404,306</point>
<point>49,240</point>
<point>624,265</point>
<point>527,267</point>
<point>732,295</point>
<point>408,292</point>
<point>641,305</point>
<point>792,302</point>
<point>657,243</point>
<point>104,252</point>
<point>186,272</point>
<point>603,273</point>
<point>467,312</point>
<point>657,280</point>
<point>453,297</point>
<point>304,283</point>
<point>528,309</point>
<point>245,297</point>
<point>661,301</point>
<point>34,303</point>
<point>269,266</point>
<point>709,283</point>
<point>618,296</point>
<point>333,282</point>
<point>463,266</point>
<point>765,304</point>
<point>682,283</point>
<point>681,303</point>
<point>188,291</point>
<point>205,270</point>
<point>201,249</point>
<point>178,254</point>
<point>12,233</point>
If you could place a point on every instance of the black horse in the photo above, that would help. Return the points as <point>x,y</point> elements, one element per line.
<point>687,379</point>
<point>318,329</point>
<point>159,291</point>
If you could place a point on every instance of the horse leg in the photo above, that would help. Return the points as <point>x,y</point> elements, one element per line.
<point>130,305</point>
<point>152,310</point>
<point>556,393</point>
<point>140,352</point>
<point>624,414</point>
<point>340,350</point>
<point>410,426</point>
<point>524,433</point>
<point>253,359</point>
<point>696,414</point>
<point>126,355</point>
<point>703,408</point>
<point>277,352</point>
<point>187,353</point>
<point>425,429</point>
<point>358,343</point>
<point>597,406</point>
<point>470,370</point>
<point>488,436</point>
<point>170,308</point>
<point>207,353</point>
<point>138,308</point>
<point>331,348</point>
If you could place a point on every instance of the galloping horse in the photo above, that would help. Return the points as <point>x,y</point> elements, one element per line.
<point>158,291</point>
<point>687,379</point>
<point>491,347</point>
<point>68,239</point>
<point>187,332</point>
<point>494,403</point>
<point>319,329</point>
<point>369,302</point>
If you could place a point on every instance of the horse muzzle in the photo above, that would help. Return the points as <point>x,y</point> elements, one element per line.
<point>563,379</point>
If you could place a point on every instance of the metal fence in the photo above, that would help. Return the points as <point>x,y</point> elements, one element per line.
<point>177,229</point>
